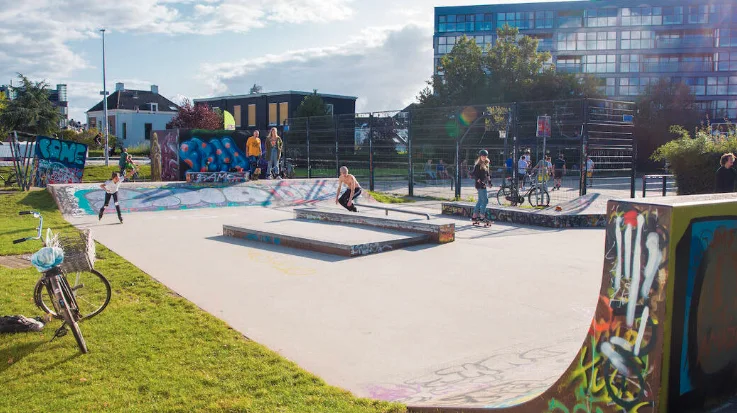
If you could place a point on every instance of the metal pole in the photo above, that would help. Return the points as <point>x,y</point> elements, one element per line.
<point>409,154</point>
<point>371,151</point>
<point>104,102</point>
<point>644,186</point>
<point>664,189</point>
<point>633,173</point>
<point>15,153</point>
<point>458,158</point>
<point>584,148</point>
<point>337,160</point>
<point>515,161</point>
<point>309,168</point>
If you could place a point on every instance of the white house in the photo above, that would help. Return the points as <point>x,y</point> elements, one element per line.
<point>133,114</point>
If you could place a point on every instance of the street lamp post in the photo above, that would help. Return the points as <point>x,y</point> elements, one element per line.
<point>104,102</point>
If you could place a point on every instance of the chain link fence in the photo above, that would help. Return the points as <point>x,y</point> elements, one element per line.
<point>431,152</point>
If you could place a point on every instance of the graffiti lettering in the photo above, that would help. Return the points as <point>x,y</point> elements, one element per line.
<point>229,177</point>
<point>58,162</point>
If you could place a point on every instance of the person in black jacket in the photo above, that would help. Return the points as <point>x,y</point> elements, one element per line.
<point>726,175</point>
<point>481,177</point>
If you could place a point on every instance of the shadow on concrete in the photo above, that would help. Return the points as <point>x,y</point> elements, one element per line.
<point>318,256</point>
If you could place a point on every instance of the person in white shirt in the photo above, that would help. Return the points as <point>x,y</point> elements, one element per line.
<point>111,191</point>
<point>590,171</point>
<point>522,166</point>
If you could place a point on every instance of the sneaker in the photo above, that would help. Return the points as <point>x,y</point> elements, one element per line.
<point>99,216</point>
<point>121,219</point>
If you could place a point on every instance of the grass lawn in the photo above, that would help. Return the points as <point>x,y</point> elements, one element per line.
<point>150,350</point>
<point>92,173</point>
<point>389,198</point>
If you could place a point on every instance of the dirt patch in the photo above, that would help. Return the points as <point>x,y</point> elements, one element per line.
<point>15,262</point>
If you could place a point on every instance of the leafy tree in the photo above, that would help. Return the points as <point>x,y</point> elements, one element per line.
<point>312,105</point>
<point>255,89</point>
<point>514,64</point>
<point>196,117</point>
<point>3,105</point>
<point>660,107</point>
<point>31,111</point>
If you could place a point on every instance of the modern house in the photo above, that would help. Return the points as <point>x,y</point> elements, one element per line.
<point>58,98</point>
<point>133,114</point>
<point>628,45</point>
<point>263,111</point>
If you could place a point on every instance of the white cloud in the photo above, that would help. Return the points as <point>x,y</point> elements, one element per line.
<point>386,68</point>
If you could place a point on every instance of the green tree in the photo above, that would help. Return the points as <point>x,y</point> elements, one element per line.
<point>312,105</point>
<point>660,107</point>
<point>255,89</point>
<point>515,65</point>
<point>3,105</point>
<point>31,111</point>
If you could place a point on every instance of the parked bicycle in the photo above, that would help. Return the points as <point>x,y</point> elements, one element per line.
<point>64,258</point>
<point>509,194</point>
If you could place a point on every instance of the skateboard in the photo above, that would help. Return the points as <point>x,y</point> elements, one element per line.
<point>478,222</point>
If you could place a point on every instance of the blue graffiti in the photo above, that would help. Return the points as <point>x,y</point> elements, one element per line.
<point>214,155</point>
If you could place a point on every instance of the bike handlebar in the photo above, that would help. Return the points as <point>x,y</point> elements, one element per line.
<point>18,241</point>
<point>39,228</point>
<point>25,212</point>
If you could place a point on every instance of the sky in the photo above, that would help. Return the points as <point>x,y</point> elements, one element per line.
<point>377,50</point>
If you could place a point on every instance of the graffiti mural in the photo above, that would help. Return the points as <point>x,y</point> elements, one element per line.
<point>58,162</point>
<point>705,348</point>
<point>526,217</point>
<point>226,177</point>
<point>169,142</point>
<point>135,197</point>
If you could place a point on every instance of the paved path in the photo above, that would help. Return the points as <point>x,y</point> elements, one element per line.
<point>496,315</point>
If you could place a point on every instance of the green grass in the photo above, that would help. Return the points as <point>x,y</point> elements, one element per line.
<point>150,350</point>
<point>389,198</point>
<point>92,173</point>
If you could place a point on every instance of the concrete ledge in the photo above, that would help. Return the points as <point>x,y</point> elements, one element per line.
<point>545,218</point>
<point>440,233</point>
<point>345,250</point>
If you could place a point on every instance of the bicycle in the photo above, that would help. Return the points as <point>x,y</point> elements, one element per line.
<point>509,195</point>
<point>60,257</point>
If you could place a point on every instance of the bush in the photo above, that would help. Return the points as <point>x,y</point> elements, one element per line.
<point>694,160</point>
<point>87,137</point>
<point>142,149</point>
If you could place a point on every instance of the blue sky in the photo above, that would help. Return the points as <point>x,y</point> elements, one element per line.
<point>377,50</point>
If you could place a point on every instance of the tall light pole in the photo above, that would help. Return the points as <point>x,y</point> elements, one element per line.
<point>104,101</point>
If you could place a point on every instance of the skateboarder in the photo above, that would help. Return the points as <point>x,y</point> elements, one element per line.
<point>559,171</point>
<point>111,191</point>
<point>481,178</point>
<point>352,191</point>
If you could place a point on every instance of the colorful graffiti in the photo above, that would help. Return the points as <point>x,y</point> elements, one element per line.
<point>227,177</point>
<point>58,162</point>
<point>213,155</point>
<point>168,141</point>
<point>706,349</point>
<point>527,217</point>
<point>134,197</point>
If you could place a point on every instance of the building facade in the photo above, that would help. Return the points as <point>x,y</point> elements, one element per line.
<point>133,114</point>
<point>58,98</point>
<point>627,45</point>
<point>262,111</point>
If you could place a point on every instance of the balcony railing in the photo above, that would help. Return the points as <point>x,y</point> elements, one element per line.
<point>569,67</point>
<point>670,67</point>
<point>694,42</point>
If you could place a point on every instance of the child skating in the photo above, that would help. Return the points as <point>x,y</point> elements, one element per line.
<point>111,191</point>
<point>481,177</point>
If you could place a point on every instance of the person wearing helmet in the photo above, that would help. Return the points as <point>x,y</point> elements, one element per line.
<point>481,177</point>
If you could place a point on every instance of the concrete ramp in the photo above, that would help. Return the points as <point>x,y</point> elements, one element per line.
<point>327,238</point>
<point>664,334</point>
<point>87,199</point>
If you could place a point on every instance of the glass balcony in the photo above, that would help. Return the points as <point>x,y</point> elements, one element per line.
<point>678,43</point>
<point>670,67</point>
<point>569,67</point>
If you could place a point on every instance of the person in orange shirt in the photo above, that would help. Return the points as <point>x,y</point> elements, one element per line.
<point>253,152</point>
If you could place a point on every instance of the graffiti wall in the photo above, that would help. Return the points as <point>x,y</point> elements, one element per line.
<point>529,217</point>
<point>58,162</point>
<point>86,199</point>
<point>704,348</point>
<point>169,142</point>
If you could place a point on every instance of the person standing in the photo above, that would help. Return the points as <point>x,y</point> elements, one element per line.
<point>481,177</point>
<point>726,176</point>
<point>522,166</point>
<point>123,161</point>
<point>352,191</point>
<point>274,145</point>
<point>111,191</point>
<point>559,168</point>
<point>590,171</point>
<point>253,152</point>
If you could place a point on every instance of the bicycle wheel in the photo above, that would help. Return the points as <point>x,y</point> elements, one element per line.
<point>503,196</point>
<point>539,197</point>
<point>91,292</point>
<point>64,304</point>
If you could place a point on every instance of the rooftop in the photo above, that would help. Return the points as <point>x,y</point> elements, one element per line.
<point>126,99</point>
<point>286,92</point>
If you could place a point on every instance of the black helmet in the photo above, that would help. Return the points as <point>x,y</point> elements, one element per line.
<point>483,152</point>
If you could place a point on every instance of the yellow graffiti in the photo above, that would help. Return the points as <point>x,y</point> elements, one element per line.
<point>280,265</point>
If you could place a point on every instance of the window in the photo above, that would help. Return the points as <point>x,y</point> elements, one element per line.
<point>698,14</point>
<point>642,16</point>
<point>543,19</point>
<point>630,63</point>
<point>722,85</point>
<point>483,41</point>
<point>111,124</point>
<point>634,86</point>
<point>147,127</point>
<point>154,107</point>
<point>272,114</point>
<point>601,18</point>
<point>722,109</point>
<point>484,22</point>
<point>696,84</point>
<point>329,107</point>
<point>644,39</point>
<point>726,61</point>
<point>719,13</point>
<point>599,63</point>
<point>237,115</point>
<point>570,64</point>
<point>442,24</point>
<point>93,123</point>
<point>607,86</point>
<point>587,41</point>
<point>566,41</point>
<point>125,130</point>
<point>673,15</point>
<point>726,37</point>
<point>283,112</point>
<point>570,19</point>
<point>544,41</point>
<point>251,115</point>
<point>521,20</point>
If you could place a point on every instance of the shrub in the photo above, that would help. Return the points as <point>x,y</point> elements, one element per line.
<point>695,159</point>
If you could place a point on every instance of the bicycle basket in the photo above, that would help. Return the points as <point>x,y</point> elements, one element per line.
<point>79,250</point>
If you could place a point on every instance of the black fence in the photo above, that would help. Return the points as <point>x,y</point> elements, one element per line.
<point>431,152</point>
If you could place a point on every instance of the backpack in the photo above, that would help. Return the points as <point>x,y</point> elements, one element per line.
<point>20,324</point>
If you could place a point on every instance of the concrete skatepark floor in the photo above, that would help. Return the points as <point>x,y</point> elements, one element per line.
<point>489,320</point>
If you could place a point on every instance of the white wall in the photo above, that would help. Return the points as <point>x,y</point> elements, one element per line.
<point>135,124</point>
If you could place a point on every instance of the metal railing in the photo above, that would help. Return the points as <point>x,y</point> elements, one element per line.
<point>662,178</point>
<point>387,209</point>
